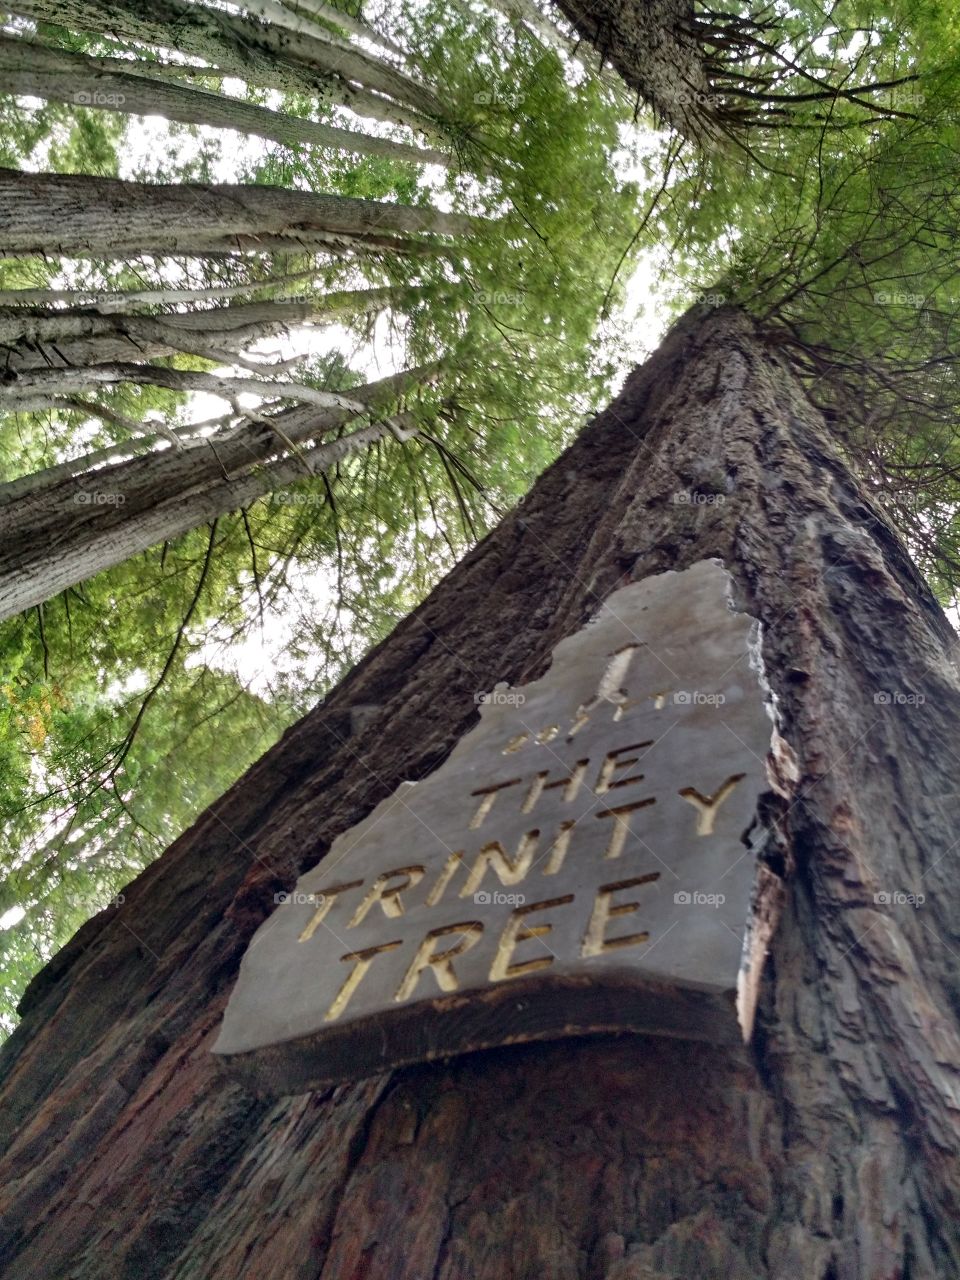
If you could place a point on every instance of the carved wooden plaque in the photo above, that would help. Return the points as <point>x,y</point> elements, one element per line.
<point>580,863</point>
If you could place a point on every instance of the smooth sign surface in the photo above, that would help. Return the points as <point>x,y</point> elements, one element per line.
<point>577,865</point>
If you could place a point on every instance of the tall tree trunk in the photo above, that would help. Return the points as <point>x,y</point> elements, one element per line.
<point>33,388</point>
<point>654,48</point>
<point>71,338</point>
<point>66,342</point>
<point>140,437</point>
<point>129,300</point>
<point>86,547</point>
<point>825,1150</point>
<point>80,215</point>
<point>257,52</point>
<point>337,18</point>
<point>106,83</point>
<point>65,528</point>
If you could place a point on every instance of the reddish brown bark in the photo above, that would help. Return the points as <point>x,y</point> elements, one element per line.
<point>654,49</point>
<point>827,1150</point>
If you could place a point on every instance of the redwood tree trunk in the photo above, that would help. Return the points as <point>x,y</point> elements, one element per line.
<point>83,216</point>
<point>44,72</point>
<point>71,338</point>
<point>653,48</point>
<point>320,66</point>
<point>826,1150</point>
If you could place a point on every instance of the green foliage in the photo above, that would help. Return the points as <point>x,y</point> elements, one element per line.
<point>88,794</point>
<point>70,139</point>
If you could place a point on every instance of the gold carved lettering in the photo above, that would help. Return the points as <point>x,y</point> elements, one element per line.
<point>510,870</point>
<point>362,960</point>
<point>327,899</point>
<point>707,806</point>
<point>516,931</point>
<point>606,781</point>
<point>441,962</point>
<point>443,879</point>
<point>387,894</point>
<point>621,828</point>
<point>488,795</point>
<point>595,941</point>
<point>570,784</point>
<point>558,849</point>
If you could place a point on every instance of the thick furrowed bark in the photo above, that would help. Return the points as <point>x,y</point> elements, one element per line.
<point>828,1150</point>
<point>650,47</point>
<point>104,83</point>
<point>75,214</point>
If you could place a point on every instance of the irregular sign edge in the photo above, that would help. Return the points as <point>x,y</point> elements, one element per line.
<point>767,896</point>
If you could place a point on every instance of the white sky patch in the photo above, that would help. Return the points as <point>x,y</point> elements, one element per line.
<point>150,136</point>
<point>260,657</point>
<point>11,917</point>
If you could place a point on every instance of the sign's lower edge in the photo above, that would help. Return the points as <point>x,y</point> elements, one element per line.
<point>519,1012</point>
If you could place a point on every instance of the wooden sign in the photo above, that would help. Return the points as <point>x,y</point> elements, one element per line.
<point>579,864</point>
